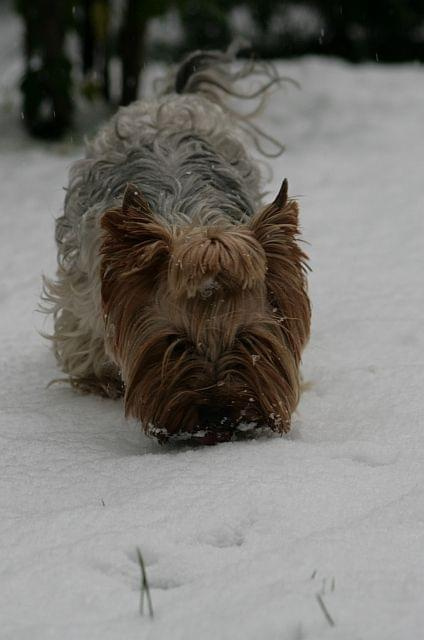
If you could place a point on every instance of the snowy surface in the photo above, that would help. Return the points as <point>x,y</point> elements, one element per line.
<point>238,539</point>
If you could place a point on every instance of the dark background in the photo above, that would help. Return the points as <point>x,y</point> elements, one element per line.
<point>133,32</point>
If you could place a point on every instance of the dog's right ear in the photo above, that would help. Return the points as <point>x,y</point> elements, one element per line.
<point>135,247</point>
<point>134,201</point>
<point>128,220</point>
<point>134,226</point>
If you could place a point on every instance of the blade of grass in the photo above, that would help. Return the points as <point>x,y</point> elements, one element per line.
<point>144,586</point>
<point>324,610</point>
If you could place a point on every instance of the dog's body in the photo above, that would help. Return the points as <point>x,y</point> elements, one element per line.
<point>183,295</point>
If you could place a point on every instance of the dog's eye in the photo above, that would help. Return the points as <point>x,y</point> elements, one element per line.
<point>178,344</point>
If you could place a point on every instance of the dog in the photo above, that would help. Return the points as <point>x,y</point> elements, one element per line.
<point>176,287</point>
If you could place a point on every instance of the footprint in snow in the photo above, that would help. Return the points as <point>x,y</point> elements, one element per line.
<point>368,453</point>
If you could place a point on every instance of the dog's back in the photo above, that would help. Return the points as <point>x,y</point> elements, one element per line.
<point>187,149</point>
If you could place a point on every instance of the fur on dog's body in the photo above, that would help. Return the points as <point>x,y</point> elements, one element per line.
<point>157,288</point>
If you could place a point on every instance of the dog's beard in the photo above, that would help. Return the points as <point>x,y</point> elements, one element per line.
<point>178,393</point>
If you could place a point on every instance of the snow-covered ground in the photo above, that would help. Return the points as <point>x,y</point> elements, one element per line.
<point>238,539</point>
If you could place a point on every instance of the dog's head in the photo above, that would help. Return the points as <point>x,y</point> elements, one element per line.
<point>207,323</point>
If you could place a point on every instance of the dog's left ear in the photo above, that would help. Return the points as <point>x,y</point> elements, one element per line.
<point>276,223</point>
<point>276,228</point>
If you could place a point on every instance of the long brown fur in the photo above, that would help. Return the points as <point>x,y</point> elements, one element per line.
<point>205,317</point>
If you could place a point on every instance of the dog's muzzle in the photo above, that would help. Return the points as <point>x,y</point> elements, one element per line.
<point>214,425</point>
<point>215,418</point>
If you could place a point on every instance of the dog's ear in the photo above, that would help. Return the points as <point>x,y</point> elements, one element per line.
<point>276,228</point>
<point>134,226</point>
<point>131,219</point>
<point>276,223</point>
<point>135,246</point>
<point>134,201</point>
<point>282,196</point>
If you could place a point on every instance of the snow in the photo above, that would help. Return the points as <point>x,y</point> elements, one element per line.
<point>237,539</point>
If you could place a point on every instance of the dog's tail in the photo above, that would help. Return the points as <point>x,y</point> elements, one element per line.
<point>214,75</point>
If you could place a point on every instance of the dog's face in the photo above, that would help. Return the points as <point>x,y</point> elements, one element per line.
<point>207,324</point>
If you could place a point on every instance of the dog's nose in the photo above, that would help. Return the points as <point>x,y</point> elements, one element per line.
<point>214,417</point>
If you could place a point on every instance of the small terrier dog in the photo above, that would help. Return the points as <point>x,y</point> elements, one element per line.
<point>176,288</point>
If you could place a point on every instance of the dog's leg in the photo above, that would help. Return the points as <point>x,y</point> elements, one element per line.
<point>78,337</point>
<point>82,356</point>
